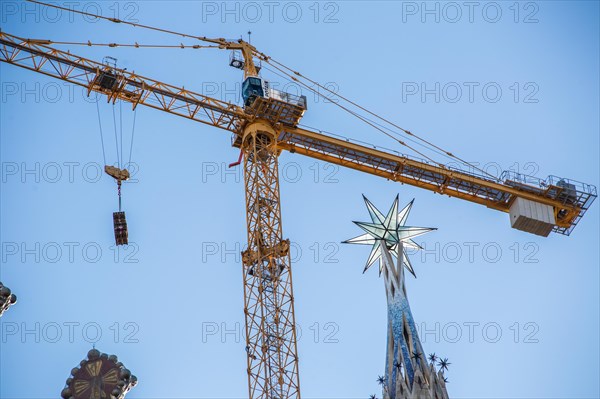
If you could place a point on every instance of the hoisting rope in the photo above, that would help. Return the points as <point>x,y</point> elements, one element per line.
<point>374,125</point>
<point>119,191</point>
<point>371,123</point>
<point>121,130</point>
<point>409,133</point>
<point>100,125</point>
<point>132,136</point>
<point>370,120</point>
<point>116,138</point>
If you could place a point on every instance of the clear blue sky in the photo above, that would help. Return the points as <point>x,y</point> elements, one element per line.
<point>171,306</point>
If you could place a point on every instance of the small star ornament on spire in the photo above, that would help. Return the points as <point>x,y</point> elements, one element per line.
<point>391,230</point>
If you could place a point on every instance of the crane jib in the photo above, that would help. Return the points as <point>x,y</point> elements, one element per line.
<point>132,88</point>
<point>569,200</point>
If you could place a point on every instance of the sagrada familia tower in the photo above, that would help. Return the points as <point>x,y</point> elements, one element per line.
<point>409,374</point>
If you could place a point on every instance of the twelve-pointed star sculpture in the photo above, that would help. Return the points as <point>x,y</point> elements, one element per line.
<point>391,230</point>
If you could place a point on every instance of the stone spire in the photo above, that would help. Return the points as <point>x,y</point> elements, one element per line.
<point>407,371</point>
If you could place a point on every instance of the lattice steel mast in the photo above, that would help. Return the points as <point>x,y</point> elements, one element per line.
<point>269,298</point>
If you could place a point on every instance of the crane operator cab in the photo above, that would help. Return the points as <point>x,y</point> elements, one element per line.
<point>252,88</point>
<point>266,102</point>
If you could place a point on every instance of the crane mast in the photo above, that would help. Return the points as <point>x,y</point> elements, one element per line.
<point>262,129</point>
<point>266,264</point>
<point>269,298</point>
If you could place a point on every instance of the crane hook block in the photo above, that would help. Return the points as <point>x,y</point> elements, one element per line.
<point>118,174</point>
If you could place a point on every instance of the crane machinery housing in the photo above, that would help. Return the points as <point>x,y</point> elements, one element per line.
<point>267,124</point>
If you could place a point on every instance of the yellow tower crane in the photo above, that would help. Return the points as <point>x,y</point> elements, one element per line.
<point>266,125</point>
